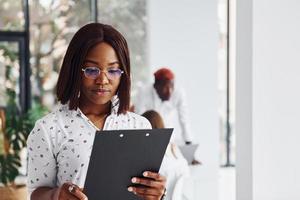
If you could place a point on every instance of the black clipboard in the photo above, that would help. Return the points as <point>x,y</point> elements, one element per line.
<point>119,155</point>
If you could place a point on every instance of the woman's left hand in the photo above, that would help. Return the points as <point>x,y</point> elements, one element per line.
<point>154,183</point>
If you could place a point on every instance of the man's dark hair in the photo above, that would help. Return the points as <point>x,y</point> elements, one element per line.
<point>87,37</point>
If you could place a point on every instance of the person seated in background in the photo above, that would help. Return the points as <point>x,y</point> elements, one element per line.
<point>174,165</point>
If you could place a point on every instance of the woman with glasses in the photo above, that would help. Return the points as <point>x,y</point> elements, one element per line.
<point>93,89</point>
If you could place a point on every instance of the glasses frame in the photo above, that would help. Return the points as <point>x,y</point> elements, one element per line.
<point>101,71</point>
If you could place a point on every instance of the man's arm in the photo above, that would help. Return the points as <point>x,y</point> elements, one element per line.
<point>183,116</point>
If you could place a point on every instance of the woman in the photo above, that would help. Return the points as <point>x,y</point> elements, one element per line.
<point>174,165</point>
<point>93,90</point>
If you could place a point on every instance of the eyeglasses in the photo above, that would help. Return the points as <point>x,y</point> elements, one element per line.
<point>94,72</point>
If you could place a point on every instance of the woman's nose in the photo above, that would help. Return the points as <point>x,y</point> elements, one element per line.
<point>102,78</point>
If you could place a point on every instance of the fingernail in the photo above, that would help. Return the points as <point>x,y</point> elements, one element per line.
<point>145,173</point>
<point>133,180</point>
<point>130,189</point>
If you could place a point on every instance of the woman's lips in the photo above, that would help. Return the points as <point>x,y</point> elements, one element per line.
<point>101,92</point>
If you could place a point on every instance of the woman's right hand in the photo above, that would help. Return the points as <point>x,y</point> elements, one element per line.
<point>69,191</point>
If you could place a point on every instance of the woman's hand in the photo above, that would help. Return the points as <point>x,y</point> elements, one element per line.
<point>154,183</point>
<point>69,191</point>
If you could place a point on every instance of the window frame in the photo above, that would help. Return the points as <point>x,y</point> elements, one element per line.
<point>22,38</point>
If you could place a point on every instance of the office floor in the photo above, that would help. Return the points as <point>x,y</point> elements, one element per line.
<point>227,186</point>
<point>202,185</point>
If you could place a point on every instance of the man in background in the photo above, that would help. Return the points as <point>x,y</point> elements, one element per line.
<point>169,102</point>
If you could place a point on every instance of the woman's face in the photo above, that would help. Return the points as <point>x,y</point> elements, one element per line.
<point>99,88</point>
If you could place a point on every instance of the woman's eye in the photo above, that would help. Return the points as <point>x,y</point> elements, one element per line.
<point>113,71</point>
<point>90,70</point>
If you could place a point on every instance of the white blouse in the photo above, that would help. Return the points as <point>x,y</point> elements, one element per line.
<point>60,144</point>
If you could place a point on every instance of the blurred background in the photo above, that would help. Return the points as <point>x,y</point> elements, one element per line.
<point>190,38</point>
<point>237,61</point>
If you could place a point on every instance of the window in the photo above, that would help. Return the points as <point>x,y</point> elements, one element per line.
<point>14,40</point>
<point>131,19</point>
<point>226,104</point>
<point>9,72</point>
<point>11,15</point>
<point>52,25</point>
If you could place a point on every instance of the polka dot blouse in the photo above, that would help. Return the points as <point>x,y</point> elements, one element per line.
<point>60,144</point>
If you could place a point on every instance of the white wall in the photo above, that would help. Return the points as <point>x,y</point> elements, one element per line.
<point>243,116</point>
<point>184,36</point>
<point>275,99</point>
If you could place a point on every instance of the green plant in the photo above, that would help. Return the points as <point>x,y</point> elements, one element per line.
<point>18,126</point>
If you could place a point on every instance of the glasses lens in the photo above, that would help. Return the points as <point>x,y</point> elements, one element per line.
<point>114,73</point>
<point>92,72</point>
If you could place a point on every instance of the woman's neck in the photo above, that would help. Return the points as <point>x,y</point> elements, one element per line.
<point>97,110</point>
<point>96,114</point>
